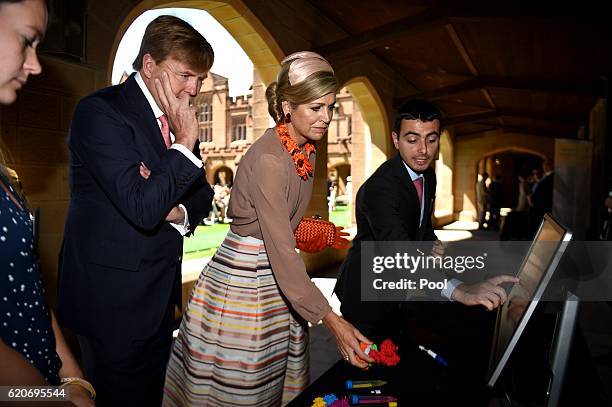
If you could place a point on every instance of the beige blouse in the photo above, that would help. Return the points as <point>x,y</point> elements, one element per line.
<point>268,201</point>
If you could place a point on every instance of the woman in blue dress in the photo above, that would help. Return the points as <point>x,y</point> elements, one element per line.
<point>32,348</point>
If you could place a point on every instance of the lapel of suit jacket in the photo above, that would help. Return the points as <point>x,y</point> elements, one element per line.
<point>139,110</point>
<point>400,171</point>
<point>430,193</point>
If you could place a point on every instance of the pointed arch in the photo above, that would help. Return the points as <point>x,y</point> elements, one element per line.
<point>376,132</point>
<point>370,134</point>
<point>234,16</point>
<point>470,149</point>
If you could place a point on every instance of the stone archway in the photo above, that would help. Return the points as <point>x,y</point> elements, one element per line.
<point>377,134</point>
<point>252,36</point>
<point>234,16</point>
<point>509,163</point>
<point>371,133</point>
<point>469,150</point>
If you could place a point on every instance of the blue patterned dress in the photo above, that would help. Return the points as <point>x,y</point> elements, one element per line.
<point>25,320</point>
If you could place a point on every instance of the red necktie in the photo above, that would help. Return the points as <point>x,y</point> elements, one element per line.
<point>418,184</point>
<point>165,130</point>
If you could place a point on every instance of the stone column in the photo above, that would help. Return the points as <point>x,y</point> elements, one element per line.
<point>261,117</point>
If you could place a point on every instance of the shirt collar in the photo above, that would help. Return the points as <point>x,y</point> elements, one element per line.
<point>413,175</point>
<point>156,110</point>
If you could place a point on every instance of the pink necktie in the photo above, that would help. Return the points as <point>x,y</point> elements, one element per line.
<point>165,130</point>
<point>418,184</point>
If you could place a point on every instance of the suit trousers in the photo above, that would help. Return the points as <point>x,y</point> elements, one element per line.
<point>129,371</point>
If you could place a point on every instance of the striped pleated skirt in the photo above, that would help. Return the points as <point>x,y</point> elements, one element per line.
<point>239,343</point>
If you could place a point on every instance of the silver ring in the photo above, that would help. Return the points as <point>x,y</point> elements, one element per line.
<point>346,357</point>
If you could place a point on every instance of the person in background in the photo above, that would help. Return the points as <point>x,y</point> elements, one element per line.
<point>213,215</point>
<point>495,202</point>
<point>32,348</point>
<point>529,183</point>
<point>536,175</point>
<point>332,191</point>
<point>482,199</point>
<point>541,200</point>
<point>224,198</point>
<point>522,204</point>
<point>218,202</point>
<point>516,221</point>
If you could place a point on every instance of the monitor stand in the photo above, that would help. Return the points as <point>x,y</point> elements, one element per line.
<point>565,326</point>
<point>563,343</point>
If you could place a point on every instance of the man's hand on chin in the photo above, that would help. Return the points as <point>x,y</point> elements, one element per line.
<point>181,114</point>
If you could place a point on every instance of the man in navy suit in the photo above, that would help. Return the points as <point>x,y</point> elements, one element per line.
<point>135,189</point>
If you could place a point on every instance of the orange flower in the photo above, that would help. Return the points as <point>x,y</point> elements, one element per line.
<point>300,160</point>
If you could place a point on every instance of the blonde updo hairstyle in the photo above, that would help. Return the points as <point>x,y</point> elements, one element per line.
<point>314,86</point>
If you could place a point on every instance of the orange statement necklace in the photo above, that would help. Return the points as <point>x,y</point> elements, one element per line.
<point>300,160</point>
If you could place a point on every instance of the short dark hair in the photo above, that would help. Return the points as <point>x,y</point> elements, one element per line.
<point>416,109</point>
<point>169,36</point>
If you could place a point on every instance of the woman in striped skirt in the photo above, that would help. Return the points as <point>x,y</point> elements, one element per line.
<point>243,339</point>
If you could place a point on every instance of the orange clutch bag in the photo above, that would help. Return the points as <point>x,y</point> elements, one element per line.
<point>311,228</point>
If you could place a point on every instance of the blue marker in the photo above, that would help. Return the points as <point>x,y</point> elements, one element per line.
<point>434,355</point>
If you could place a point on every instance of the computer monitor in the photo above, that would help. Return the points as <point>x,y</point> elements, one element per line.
<point>535,273</point>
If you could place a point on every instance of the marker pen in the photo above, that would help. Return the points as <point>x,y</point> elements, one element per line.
<point>355,399</point>
<point>434,355</point>
<point>352,384</point>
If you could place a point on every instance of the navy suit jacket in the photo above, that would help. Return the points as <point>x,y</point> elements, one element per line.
<point>387,209</point>
<point>120,261</point>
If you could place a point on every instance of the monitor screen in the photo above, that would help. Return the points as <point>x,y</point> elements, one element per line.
<point>535,273</point>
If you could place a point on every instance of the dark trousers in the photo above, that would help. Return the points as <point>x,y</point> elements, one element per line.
<point>482,216</point>
<point>494,218</point>
<point>128,371</point>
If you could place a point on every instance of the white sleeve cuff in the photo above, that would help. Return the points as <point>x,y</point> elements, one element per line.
<point>183,229</point>
<point>450,287</point>
<point>185,151</point>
